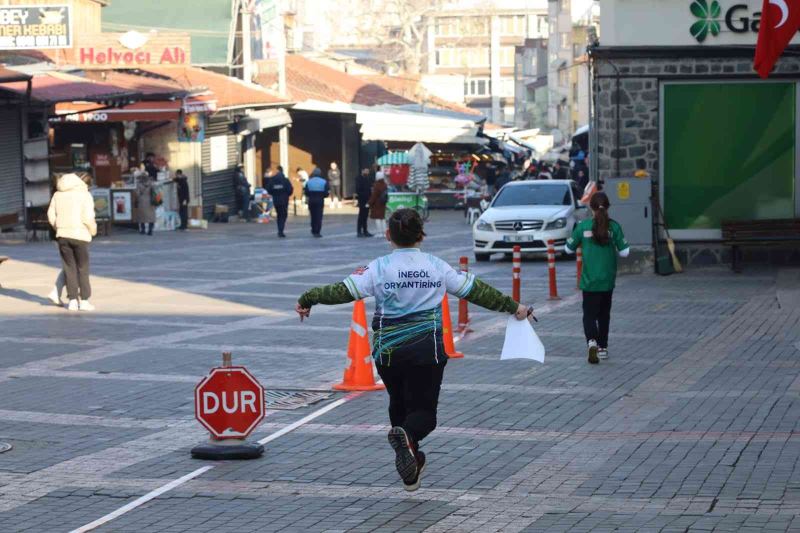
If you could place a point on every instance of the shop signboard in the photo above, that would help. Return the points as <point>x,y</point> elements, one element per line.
<point>35,27</point>
<point>122,204</point>
<point>681,22</point>
<point>102,203</point>
<point>192,127</point>
<point>131,50</point>
<point>268,41</point>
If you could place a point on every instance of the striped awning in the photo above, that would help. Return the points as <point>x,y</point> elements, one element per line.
<point>393,158</point>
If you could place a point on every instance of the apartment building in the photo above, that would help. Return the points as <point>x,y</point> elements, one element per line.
<point>475,43</point>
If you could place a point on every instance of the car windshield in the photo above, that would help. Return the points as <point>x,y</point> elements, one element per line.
<point>533,194</point>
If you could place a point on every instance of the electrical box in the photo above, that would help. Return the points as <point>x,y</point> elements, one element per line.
<point>631,208</point>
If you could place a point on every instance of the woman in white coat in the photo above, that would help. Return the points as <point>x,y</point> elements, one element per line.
<point>71,213</point>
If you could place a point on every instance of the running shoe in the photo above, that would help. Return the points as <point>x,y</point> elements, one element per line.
<point>414,485</point>
<point>405,461</point>
<point>72,305</point>
<point>602,353</point>
<point>593,352</point>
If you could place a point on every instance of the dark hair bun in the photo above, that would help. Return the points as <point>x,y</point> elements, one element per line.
<point>406,227</point>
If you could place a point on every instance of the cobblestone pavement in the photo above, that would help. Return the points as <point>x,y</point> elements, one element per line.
<point>690,426</point>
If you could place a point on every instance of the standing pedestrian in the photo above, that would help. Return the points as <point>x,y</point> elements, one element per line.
<point>182,185</point>
<point>316,190</point>
<point>303,177</point>
<point>335,183</point>
<point>280,188</point>
<point>71,213</point>
<point>602,240</point>
<point>377,203</point>
<point>560,171</point>
<point>145,207</point>
<point>407,342</point>
<point>363,194</point>
<point>242,193</point>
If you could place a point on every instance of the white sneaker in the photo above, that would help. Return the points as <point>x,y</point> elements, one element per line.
<point>602,353</point>
<point>73,305</point>
<point>54,297</point>
<point>86,306</point>
<point>593,352</point>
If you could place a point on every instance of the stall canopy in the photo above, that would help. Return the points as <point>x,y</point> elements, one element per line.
<point>387,123</point>
<point>54,87</point>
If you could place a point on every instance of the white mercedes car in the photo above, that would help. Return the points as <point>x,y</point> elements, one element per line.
<point>528,214</point>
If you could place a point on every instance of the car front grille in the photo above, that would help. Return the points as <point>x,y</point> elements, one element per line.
<point>481,244</point>
<point>500,245</point>
<point>527,225</point>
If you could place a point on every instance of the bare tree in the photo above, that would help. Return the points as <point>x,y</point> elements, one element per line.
<point>398,29</point>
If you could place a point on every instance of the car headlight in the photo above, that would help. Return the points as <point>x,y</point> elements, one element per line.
<point>482,225</point>
<point>557,223</point>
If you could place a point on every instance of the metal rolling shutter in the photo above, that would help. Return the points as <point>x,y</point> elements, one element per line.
<point>12,199</point>
<point>218,185</point>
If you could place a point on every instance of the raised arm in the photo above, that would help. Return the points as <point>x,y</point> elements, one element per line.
<point>336,293</point>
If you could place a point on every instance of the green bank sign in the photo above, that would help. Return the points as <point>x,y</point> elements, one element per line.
<point>711,20</point>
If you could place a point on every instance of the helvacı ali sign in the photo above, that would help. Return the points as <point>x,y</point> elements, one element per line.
<point>132,50</point>
<point>35,27</point>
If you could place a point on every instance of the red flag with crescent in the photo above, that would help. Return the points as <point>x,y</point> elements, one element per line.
<point>780,20</point>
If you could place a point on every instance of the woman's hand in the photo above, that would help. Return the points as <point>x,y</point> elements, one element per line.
<point>523,312</point>
<point>304,312</point>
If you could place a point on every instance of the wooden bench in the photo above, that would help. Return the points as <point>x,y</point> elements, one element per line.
<point>3,259</point>
<point>741,233</point>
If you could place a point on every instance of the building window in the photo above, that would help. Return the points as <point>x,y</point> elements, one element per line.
<point>505,87</point>
<point>531,95</point>
<point>575,93</point>
<point>542,26</point>
<point>506,56</point>
<point>478,87</point>
<point>446,26</point>
<point>533,64</point>
<point>563,79</point>
<point>512,25</point>
<point>473,26</point>
<point>564,41</point>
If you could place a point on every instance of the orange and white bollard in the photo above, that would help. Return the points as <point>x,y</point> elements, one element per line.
<point>463,311</point>
<point>579,266</point>
<point>516,269</point>
<point>551,267</point>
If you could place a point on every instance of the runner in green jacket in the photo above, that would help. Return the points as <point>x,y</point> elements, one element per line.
<point>602,240</point>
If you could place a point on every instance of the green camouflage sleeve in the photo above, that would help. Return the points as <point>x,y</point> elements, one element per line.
<point>333,294</point>
<point>487,296</point>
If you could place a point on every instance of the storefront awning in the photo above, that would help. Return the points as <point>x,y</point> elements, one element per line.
<point>416,127</point>
<point>155,111</point>
<point>264,119</point>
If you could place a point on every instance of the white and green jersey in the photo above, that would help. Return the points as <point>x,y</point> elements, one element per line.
<point>407,281</point>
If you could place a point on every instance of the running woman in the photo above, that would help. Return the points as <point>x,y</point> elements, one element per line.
<point>602,240</point>
<point>407,345</point>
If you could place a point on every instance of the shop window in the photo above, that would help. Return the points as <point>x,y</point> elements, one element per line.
<point>728,153</point>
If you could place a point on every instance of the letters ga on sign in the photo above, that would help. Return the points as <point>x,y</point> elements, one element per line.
<point>35,27</point>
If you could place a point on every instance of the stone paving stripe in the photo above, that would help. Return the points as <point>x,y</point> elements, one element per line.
<point>138,502</point>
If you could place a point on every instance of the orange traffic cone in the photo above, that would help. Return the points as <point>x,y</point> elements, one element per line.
<point>359,376</point>
<point>447,332</point>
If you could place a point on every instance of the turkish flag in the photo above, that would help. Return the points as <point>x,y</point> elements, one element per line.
<point>780,20</point>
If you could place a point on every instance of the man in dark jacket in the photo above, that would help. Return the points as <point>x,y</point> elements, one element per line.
<point>560,171</point>
<point>242,190</point>
<point>316,189</point>
<point>280,188</point>
<point>363,192</point>
<point>183,198</point>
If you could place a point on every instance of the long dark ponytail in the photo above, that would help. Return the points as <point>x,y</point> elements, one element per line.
<point>599,204</point>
